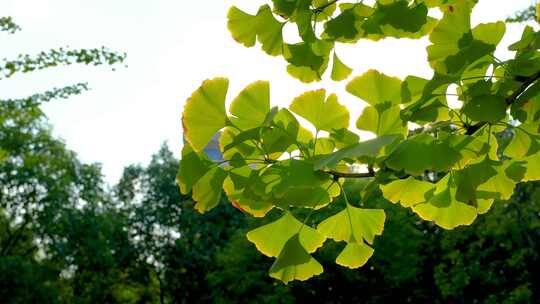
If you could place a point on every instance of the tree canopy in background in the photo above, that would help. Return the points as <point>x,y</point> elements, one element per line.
<point>443,161</point>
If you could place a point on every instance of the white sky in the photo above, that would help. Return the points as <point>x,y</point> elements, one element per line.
<point>172,46</point>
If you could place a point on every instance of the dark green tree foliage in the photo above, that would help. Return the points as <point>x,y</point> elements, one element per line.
<point>7,25</point>
<point>173,239</point>
<point>61,239</point>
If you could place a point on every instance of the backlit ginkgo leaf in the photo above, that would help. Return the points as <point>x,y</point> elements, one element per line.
<point>204,112</point>
<point>207,191</point>
<point>251,106</point>
<point>325,115</point>
<point>408,192</point>
<point>271,238</point>
<point>374,88</point>
<point>294,262</point>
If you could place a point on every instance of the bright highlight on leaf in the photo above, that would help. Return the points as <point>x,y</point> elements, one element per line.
<point>204,112</point>
<point>325,115</point>
<point>354,226</point>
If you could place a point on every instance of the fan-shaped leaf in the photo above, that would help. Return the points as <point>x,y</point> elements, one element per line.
<point>204,112</point>
<point>324,115</point>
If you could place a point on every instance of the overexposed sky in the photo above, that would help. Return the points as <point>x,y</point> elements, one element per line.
<point>172,46</point>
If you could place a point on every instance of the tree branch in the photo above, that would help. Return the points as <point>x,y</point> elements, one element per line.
<point>509,100</point>
<point>322,7</point>
<point>337,174</point>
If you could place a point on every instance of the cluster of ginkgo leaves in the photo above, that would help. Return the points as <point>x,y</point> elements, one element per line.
<point>443,162</point>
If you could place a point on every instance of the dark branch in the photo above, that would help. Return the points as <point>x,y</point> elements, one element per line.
<point>509,100</point>
<point>322,7</point>
<point>337,174</point>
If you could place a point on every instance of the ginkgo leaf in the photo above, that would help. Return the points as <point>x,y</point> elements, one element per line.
<point>207,191</point>
<point>270,239</point>
<point>251,106</point>
<point>204,112</point>
<point>269,31</point>
<point>324,115</point>
<point>354,255</point>
<point>396,19</point>
<point>193,166</point>
<point>242,26</point>
<point>340,71</point>
<point>354,225</point>
<point>294,262</point>
<point>423,152</point>
<point>246,29</point>
<point>235,188</point>
<point>343,138</point>
<point>374,88</point>
<point>455,45</point>
<point>490,108</point>
<point>382,119</point>
<point>533,167</point>
<point>368,148</point>
<point>525,142</point>
<point>443,208</point>
<point>408,192</point>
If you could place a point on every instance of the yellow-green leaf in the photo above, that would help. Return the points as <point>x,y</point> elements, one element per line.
<point>374,88</point>
<point>251,106</point>
<point>271,238</point>
<point>354,255</point>
<point>324,115</point>
<point>204,113</point>
<point>408,192</point>
<point>207,191</point>
<point>294,262</point>
<point>340,71</point>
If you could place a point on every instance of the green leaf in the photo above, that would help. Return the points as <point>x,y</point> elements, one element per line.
<point>204,112</point>
<point>269,31</point>
<point>193,166</point>
<point>423,152</point>
<point>300,186</point>
<point>246,29</point>
<point>368,148</point>
<point>525,142</point>
<point>455,46</point>
<point>241,137</point>
<point>309,59</point>
<point>340,71</point>
<point>242,26</point>
<point>396,19</point>
<point>533,168</point>
<point>324,115</point>
<point>382,119</point>
<point>490,108</point>
<point>294,263</point>
<point>354,226</point>
<point>528,109</point>
<point>354,255</point>
<point>443,208</point>
<point>344,138</point>
<point>232,142</point>
<point>270,239</point>
<point>207,191</point>
<point>240,187</point>
<point>251,106</point>
<point>374,88</point>
<point>408,192</point>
